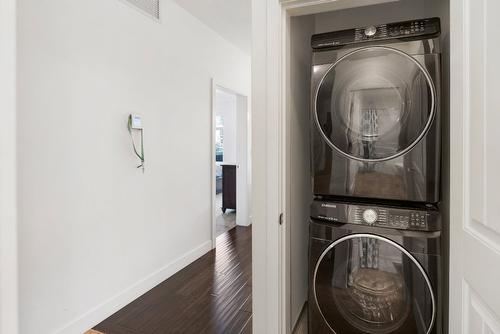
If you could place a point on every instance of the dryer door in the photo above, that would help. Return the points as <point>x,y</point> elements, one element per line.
<point>375,103</point>
<point>365,283</point>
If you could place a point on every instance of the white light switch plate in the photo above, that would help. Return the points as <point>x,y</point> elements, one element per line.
<point>136,122</point>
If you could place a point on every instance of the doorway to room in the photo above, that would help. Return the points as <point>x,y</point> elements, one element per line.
<point>231,186</point>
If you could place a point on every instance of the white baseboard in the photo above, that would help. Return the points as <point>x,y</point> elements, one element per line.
<point>100,312</point>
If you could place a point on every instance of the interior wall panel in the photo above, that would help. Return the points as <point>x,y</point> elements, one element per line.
<point>300,194</point>
<point>480,318</point>
<point>481,114</point>
<point>481,230</point>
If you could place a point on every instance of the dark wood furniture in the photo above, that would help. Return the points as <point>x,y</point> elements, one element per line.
<point>228,187</point>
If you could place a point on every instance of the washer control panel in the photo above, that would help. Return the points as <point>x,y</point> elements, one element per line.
<point>380,216</point>
<point>414,29</point>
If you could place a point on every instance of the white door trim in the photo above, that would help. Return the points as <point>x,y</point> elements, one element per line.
<point>213,185</point>
<point>8,176</point>
<point>457,175</point>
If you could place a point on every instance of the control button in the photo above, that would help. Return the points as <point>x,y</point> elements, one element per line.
<point>370,31</point>
<point>370,216</point>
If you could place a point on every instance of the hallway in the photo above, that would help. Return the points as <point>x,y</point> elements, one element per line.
<point>211,295</point>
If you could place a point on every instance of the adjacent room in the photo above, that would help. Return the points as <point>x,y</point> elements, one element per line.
<point>232,163</point>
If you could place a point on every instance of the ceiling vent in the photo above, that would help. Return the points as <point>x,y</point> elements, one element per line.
<point>150,7</point>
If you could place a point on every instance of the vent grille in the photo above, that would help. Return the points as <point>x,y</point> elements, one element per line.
<point>150,7</point>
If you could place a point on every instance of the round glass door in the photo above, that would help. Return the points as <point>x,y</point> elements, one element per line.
<point>365,283</point>
<point>375,104</point>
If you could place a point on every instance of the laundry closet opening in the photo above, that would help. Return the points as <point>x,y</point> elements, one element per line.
<point>407,84</point>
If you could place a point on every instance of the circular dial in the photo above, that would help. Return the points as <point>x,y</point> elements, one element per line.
<point>370,31</point>
<point>370,216</point>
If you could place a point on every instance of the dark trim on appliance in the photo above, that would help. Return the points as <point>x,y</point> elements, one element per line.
<point>398,31</point>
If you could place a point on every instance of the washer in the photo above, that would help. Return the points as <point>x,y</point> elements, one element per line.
<point>376,112</point>
<point>374,269</point>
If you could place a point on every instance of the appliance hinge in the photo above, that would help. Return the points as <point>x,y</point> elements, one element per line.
<point>281,219</point>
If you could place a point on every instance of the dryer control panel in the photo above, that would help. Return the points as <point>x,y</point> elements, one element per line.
<point>414,29</point>
<point>375,215</point>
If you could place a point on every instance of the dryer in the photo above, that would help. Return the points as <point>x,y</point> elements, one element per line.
<point>376,112</point>
<point>374,270</point>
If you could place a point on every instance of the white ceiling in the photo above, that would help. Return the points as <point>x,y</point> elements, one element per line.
<point>229,18</point>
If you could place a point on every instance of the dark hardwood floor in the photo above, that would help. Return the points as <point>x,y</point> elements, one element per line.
<point>211,295</point>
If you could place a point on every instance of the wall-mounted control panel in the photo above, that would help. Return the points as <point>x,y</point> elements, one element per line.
<point>380,216</point>
<point>414,29</point>
<point>136,122</point>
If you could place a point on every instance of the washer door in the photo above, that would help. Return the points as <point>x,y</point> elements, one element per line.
<point>365,283</point>
<point>375,103</point>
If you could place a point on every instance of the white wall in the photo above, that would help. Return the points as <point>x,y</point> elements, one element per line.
<point>266,185</point>
<point>94,232</point>
<point>8,221</point>
<point>298,163</point>
<point>225,106</point>
<point>244,161</point>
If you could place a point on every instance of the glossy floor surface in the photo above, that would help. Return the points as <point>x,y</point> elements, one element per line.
<point>224,221</point>
<point>211,295</point>
<point>302,323</point>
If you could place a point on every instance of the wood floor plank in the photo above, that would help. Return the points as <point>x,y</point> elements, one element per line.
<point>211,295</point>
<point>247,306</point>
<point>247,329</point>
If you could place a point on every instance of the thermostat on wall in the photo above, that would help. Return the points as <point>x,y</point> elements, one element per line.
<point>136,122</point>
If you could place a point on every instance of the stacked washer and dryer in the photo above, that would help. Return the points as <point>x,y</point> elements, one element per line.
<point>375,229</point>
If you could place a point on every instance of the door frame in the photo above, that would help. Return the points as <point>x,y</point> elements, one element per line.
<point>270,246</point>
<point>457,181</point>
<point>221,86</point>
<point>8,174</point>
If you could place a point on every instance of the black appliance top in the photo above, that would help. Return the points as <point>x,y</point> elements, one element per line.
<point>406,30</point>
<point>395,217</point>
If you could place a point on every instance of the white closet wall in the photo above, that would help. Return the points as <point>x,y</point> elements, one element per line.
<point>299,194</point>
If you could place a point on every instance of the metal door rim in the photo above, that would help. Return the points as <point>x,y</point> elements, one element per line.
<point>392,243</point>
<point>416,141</point>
